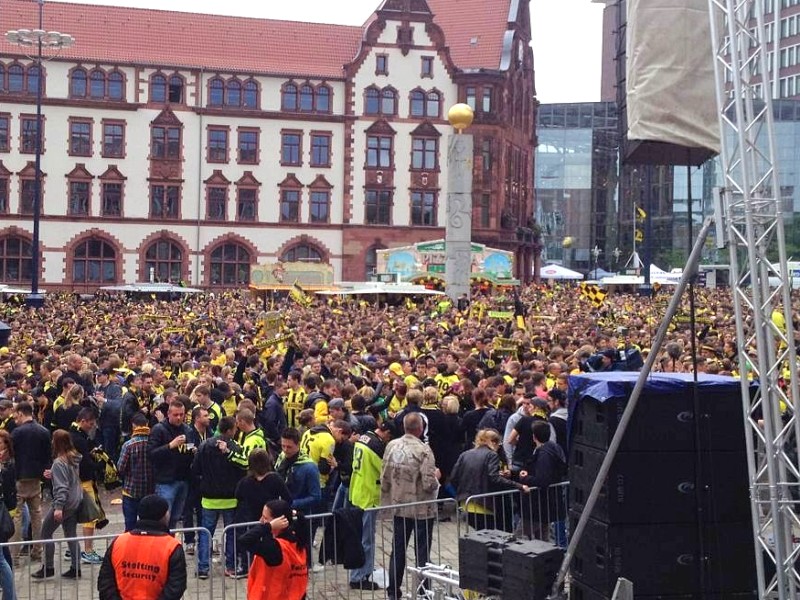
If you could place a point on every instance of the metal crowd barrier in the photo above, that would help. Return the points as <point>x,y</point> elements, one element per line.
<point>85,587</point>
<point>538,514</point>
<point>329,579</point>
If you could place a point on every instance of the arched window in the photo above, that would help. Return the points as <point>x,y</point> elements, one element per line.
<point>432,109</point>
<point>116,86</point>
<point>94,261</point>
<point>216,92</point>
<point>16,78</point>
<point>175,89</point>
<point>33,79</point>
<point>15,260</point>
<point>372,101</point>
<point>417,103</point>
<point>233,93</point>
<point>307,98</point>
<point>97,84</point>
<point>302,252</point>
<point>323,100</point>
<point>164,260</point>
<point>388,102</point>
<point>230,265</point>
<point>250,95</point>
<point>289,97</point>
<point>158,88</point>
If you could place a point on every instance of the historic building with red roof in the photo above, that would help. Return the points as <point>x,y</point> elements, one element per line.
<point>180,146</point>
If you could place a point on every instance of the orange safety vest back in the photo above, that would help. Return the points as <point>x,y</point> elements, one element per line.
<point>141,564</point>
<point>287,581</point>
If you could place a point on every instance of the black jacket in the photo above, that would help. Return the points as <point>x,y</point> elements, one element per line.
<point>547,467</point>
<point>88,467</point>
<point>169,465</point>
<point>273,420</point>
<point>477,471</point>
<point>176,574</point>
<point>337,545</point>
<point>32,450</point>
<point>216,475</point>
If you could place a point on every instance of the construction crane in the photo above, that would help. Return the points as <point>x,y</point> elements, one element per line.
<point>753,220</point>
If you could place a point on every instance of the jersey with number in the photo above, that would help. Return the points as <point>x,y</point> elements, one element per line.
<point>444,383</point>
<point>293,404</point>
<point>365,482</point>
<point>318,444</point>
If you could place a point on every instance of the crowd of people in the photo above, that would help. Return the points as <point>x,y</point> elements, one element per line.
<point>346,403</point>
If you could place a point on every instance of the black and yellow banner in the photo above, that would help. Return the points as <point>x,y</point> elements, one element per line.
<point>595,293</point>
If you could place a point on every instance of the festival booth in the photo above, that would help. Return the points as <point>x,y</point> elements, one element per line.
<point>424,264</point>
<point>281,277</point>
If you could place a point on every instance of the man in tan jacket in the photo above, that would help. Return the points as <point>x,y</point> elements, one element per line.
<point>409,475</point>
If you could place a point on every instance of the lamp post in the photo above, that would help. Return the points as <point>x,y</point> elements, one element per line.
<point>596,251</point>
<point>51,40</point>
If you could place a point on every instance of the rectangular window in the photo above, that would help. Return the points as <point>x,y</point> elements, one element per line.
<point>427,66</point>
<point>113,140</point>
<point>112,199</point>
<point>217,145</point>
<point>27,196</point>
<point>320,206</point>
<point>470,97</point>
<point>290,206</point>
<point>246,204</point>
<point>486,155</point>
<point>248,147</point>
<point>79,198</point>
<point>164,201</point>
<point>486,105</point>
<point>485,210</point>
<point>381,64</point>
<point>423,153</point>
<point>379,151</point>
<point>290,149</point>
<point>5,133</point>
<point>217,197</point>
<point>28,135</point>
<point>165,142</point>
<point>423,209</point>
<point>378,207</point>
<point>3,196</point>
<point>80,138</point>
<point>320,150</point>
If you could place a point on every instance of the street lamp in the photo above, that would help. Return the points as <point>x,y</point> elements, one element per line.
<point>41,40</point>
<point>596,252</point>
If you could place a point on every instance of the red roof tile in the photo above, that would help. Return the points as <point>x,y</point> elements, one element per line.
<point>464,20</point>
<point>160,37</point>
<point>112,34</point>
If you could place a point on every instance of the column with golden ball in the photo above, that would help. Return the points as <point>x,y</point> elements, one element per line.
<point>458,231</point>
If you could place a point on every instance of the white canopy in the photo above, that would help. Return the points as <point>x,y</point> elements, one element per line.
<point>151,288</point>
<point>558,272</point>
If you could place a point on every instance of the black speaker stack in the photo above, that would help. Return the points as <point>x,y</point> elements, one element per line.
<point>494,563</point>
<point>674,515</point>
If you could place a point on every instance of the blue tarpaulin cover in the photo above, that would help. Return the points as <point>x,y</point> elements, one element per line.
<point>619,384</point>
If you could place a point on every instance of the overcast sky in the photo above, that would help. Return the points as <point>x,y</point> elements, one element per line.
<point>566,34</point>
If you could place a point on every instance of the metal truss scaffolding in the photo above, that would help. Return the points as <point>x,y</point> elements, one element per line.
<point>766,346</point>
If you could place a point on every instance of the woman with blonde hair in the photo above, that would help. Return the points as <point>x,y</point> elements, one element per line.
<point>477,472</point>
<point>67,412</point>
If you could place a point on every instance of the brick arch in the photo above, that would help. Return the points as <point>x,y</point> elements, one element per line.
<point>69,252</point>
<point>158,236</point>
<point>307,240</point>
<point>14,231</point>
<point>226,238</point>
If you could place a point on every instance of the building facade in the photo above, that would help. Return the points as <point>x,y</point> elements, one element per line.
<point>187,147</point>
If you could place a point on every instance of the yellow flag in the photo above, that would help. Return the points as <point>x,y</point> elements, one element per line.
<point>640,214</point>
<point>639,235</point>
<point>594,293</point>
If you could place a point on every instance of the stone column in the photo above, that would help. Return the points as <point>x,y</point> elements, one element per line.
<point>458,232</point>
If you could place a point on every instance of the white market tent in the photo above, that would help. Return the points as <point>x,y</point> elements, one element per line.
<point>151,288</point>
<point>558,272</point>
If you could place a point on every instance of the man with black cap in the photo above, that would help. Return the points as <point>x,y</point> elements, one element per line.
<point>146,562</point>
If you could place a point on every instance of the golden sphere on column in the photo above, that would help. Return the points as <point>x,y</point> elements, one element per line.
<point>567,242</point>
<point>460,116</point>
